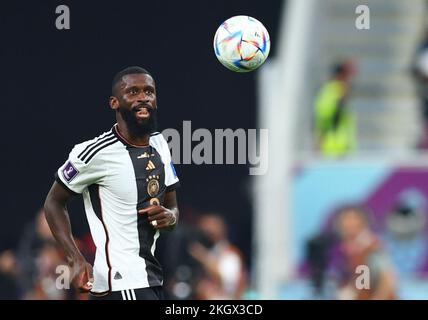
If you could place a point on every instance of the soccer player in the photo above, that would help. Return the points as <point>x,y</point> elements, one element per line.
<point>128,183</point>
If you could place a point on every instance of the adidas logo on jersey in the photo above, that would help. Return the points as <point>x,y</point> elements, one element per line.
<point>150,165</point>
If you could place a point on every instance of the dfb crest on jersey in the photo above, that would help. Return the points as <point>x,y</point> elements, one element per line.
<point>152,185</point>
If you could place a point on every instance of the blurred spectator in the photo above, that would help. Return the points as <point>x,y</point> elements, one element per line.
<point>45,287</point>
<point>360,246</point>
<point>318,259</point>
<point>35,235</point>
<point>224,273</point>
<point>180,269</point>
<point>335,124</point>
<point>9,289</point>
<point>38,258</point>
<point>405,235</point>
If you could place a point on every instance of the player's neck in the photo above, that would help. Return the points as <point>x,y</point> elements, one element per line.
<point>130,138</point>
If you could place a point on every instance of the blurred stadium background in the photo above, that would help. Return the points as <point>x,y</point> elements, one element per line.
<point>55,89</point>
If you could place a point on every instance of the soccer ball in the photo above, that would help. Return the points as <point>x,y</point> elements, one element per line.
<point>241,43</point>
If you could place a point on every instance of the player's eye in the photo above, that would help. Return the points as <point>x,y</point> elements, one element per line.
<point>149,92</point>
<point>133,91</point>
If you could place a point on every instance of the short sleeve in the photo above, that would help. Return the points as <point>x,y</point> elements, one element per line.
<point>171,179</point>
<point>75,174</point>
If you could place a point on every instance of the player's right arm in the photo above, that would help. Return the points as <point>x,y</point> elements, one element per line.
<point>57,217</point>
<point>72,178</point>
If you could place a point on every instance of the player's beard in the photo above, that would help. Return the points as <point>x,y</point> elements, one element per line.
<point>139,127</point>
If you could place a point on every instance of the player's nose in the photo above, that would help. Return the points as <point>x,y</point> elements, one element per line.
<point>143,98</point>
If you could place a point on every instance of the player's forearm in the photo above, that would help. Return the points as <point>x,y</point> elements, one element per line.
<point>59,223</point>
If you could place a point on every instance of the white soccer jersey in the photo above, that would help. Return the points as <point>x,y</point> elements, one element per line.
<point>117,179</point>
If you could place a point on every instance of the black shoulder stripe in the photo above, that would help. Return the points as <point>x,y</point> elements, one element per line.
<point>96,145</point>
<point>154,134</point>
<point>100,148</point>
<point>91,144</point>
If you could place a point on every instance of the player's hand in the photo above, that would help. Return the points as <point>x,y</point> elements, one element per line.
<point>159,216</point>
<point>82,275</point>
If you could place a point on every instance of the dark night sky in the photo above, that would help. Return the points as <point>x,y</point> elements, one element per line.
<point>55,88</point>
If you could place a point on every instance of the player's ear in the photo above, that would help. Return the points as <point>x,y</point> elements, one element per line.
<point>114,103</point>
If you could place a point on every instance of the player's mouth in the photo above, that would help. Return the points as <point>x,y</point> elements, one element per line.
<point>142,112</point>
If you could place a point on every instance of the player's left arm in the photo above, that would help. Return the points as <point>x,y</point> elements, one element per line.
<point>166,215</point>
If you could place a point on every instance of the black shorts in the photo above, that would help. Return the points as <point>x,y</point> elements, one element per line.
<point>151,293</point>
